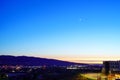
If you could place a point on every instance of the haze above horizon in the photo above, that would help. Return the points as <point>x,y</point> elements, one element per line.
<point>72,30</point>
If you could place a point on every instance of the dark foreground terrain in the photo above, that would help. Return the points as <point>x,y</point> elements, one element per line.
<point>44,73</point>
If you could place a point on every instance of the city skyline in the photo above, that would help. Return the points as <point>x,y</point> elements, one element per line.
<point>72,30</point>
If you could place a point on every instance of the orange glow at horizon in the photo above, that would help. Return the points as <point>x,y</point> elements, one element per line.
<point>83,59</point>
<point>89,60</point>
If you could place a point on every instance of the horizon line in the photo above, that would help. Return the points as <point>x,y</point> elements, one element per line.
<point>88,61</point>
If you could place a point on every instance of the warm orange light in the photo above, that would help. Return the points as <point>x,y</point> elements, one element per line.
<point>81,58</point>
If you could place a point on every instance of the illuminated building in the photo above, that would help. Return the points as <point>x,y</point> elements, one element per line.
<point>111,67</point>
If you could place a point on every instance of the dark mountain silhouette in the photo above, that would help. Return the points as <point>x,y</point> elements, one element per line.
<point>32,61</point>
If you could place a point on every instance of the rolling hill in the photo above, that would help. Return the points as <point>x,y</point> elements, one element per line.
<point>32,61</point>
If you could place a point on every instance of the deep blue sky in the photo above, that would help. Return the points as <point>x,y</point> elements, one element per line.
<point>62,29</point>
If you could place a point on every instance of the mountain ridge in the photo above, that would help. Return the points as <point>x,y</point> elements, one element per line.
<point>33,61</point>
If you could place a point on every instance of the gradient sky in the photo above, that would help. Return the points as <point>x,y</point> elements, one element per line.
<point>70,30</point>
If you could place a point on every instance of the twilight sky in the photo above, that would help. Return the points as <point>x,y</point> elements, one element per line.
<point>73,30</point>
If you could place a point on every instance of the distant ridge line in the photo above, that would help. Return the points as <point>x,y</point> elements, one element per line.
<point>33,61</point>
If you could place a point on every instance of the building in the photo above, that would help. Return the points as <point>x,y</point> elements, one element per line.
<point>111,67</point>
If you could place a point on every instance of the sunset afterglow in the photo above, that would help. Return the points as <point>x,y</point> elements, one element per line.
<point>83,31</point>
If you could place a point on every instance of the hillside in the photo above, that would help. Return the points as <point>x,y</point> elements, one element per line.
<point>32,61</point>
